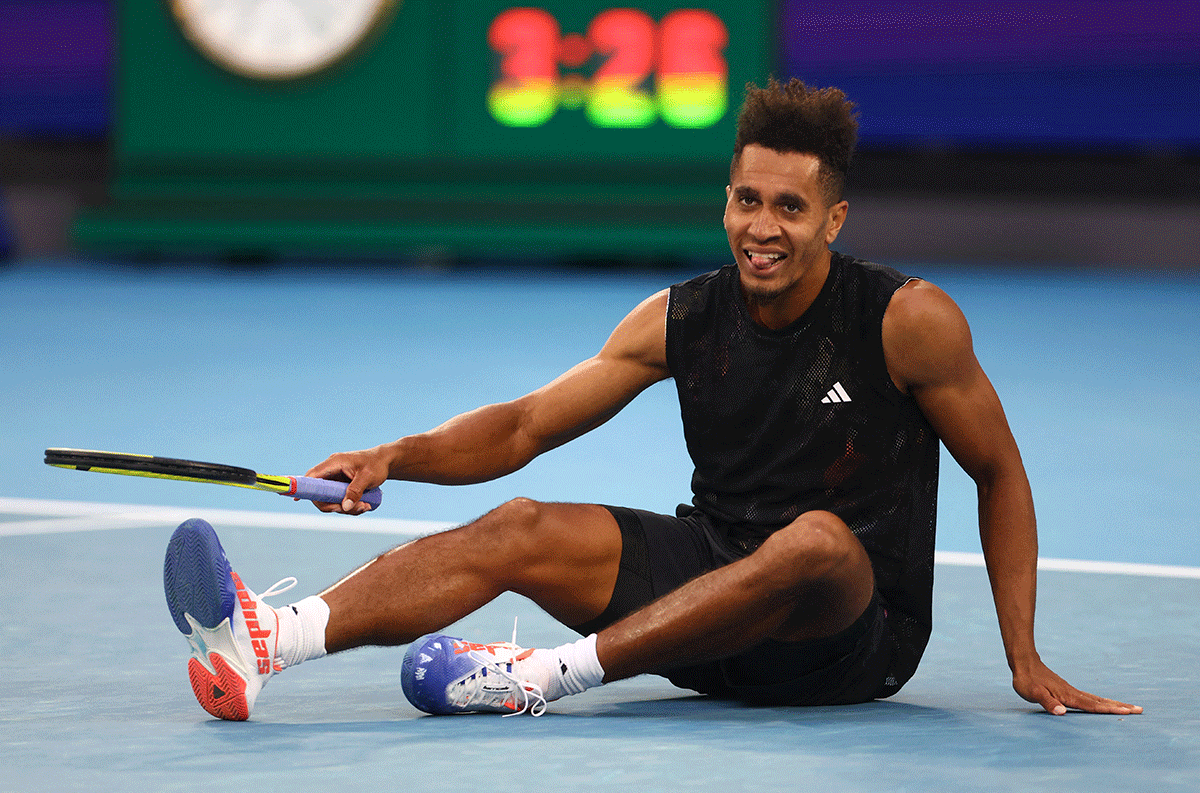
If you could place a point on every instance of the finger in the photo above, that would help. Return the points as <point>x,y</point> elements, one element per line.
<point>1051,703</point>
<point>329,469</point>
<point>1065,696</point>
<point>325,506</point>
<point>1081,700</point>
<point>353,504</point>
<point>352,498</point>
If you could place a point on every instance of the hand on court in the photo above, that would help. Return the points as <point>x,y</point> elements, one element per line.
<point>1040,685</point>
<point>362,469</point>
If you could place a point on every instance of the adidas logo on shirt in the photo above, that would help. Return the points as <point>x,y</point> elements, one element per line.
<point>836,394</point>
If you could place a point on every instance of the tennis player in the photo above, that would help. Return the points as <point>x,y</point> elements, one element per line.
<point>815,390</point>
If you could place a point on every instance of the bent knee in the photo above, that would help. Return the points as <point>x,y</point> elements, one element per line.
<point>532,528</point>
<point>523,521</point>
<point>565,557</point>
<point>520,512</point>
<point>816,545</point>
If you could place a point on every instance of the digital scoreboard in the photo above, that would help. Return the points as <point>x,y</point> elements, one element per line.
<point>683,59</point>
<point>568,127</point>
<point>630,85</point>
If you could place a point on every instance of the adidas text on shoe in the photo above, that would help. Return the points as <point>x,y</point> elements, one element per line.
<point>232,633</point>
<point>443,675</point>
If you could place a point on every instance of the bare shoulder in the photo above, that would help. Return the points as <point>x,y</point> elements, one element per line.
<point>926,337</point>
<point>641,336</point>
<point>653,309</point>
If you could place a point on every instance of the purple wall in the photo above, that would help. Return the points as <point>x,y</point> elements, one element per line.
<point>55,57</point>
<point>1013,74</point>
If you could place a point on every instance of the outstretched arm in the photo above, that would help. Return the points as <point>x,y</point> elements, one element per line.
<point>494,440</point>
<point>928,347</point>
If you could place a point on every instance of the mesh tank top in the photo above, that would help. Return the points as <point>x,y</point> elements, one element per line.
<point>780,422</point>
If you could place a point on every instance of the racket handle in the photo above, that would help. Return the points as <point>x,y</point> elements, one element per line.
<point>328,491</point>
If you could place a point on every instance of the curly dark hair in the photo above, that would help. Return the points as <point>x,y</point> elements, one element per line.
<point>791,117</point>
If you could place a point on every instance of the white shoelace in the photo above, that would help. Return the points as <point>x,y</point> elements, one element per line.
<point>533,698</point>
<point>279,587</point>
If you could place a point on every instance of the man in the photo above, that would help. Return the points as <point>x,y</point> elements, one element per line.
<point>814,390</point>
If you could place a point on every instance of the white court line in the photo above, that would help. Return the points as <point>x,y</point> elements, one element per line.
<point>68,516</point>
<point>64,516</point>
<point>1078,565</point>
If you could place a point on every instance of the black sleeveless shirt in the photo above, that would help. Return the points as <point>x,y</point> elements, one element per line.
<point>781,422</point>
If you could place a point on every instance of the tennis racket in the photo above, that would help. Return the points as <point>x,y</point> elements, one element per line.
<point>323,490</point>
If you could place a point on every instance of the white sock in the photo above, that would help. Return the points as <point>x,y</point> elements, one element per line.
<point>302,631</point>
<point>567,669</point>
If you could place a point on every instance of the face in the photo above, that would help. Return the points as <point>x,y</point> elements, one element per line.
<point>779,230</point>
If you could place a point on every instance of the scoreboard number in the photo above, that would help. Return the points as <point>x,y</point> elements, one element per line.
<point>625,71</point>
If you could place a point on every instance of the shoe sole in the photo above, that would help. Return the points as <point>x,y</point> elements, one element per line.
<point>424,695</point>
<point>198,582</point>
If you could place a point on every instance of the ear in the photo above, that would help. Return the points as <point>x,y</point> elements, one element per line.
<point>837,216</point>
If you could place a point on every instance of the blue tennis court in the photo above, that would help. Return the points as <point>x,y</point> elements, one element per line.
<point>275,367</point>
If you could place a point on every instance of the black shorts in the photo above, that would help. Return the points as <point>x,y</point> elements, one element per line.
<point>661,553</point>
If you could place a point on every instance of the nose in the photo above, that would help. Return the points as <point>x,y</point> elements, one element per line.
<point>763,227</point>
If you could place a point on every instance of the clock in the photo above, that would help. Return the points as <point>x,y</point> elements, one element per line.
<point>279,39</point>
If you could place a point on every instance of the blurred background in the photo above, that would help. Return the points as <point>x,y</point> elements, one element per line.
<point>1057,132</point>
<point>261,231</point>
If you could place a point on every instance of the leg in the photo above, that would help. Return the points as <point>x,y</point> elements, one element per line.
<point>564,557</point>
<point>810,579</point>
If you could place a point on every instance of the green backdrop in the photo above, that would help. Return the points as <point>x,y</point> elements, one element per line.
<point>397,150</point>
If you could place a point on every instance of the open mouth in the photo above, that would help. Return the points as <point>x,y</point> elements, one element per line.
<point>761,261</point>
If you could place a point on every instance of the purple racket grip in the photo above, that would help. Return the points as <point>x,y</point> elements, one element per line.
<point>327,491</point>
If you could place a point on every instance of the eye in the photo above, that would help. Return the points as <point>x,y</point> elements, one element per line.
<point>791,208</point>
<point>747,201</point>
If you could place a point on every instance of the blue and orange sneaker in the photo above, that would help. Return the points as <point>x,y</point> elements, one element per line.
<point>233,634</point>
<point>443,675</point>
